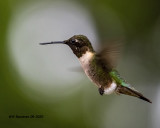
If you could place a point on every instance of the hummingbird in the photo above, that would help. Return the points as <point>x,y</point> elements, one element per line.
<point>100,67</point>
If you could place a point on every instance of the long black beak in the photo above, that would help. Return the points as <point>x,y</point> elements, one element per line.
<point>56,42</point>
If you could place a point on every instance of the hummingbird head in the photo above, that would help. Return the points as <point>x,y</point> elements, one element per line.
<point>78,43</point>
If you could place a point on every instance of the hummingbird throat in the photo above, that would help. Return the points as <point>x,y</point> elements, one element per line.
<point>86,57</point>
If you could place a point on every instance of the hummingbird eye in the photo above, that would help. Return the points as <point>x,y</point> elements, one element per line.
<point>74,41</point>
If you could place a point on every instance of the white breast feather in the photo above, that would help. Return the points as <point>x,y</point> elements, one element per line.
<point>84,60</point>
<point>110,89</point>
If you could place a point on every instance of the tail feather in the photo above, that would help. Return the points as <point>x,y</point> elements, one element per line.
<point>131,92</point>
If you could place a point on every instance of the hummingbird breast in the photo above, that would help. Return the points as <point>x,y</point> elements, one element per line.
<point>96,72</point>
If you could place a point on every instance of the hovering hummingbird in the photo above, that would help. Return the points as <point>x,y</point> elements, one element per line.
<point>99,67</point>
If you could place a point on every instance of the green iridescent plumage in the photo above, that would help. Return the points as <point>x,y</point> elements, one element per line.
<point>119,80</point>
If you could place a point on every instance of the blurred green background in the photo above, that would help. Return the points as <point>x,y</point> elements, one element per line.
<point>78,105</point>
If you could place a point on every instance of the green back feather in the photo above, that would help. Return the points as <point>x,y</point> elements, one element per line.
<point>116,76</point>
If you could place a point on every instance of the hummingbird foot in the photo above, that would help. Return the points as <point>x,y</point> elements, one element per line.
<point>101,91</point>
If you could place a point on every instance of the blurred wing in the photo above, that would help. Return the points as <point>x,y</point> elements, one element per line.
<point>109,55</point>
<point>76,69</point>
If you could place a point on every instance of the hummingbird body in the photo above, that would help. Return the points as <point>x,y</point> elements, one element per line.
<point>99,67</point>
<point>94,70</point>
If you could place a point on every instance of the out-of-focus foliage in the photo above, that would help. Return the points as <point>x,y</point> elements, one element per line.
<point>140,65</point>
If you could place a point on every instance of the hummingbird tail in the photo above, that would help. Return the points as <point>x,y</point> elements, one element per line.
<point>131,92</point>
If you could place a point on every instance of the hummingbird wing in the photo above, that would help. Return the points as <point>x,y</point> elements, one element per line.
<point>76,69</point>
<point>109,55</point>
